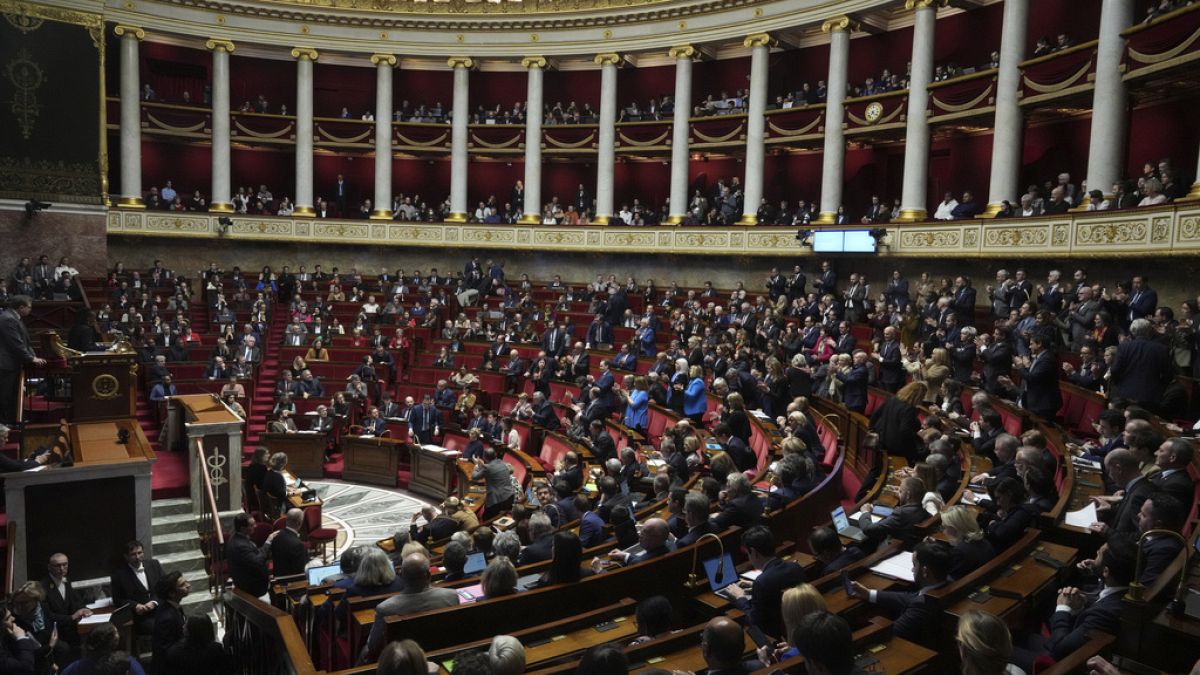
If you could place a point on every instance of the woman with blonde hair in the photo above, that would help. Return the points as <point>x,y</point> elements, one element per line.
<point>969,549</point>
<point>984,645</point>
<point>932,502</point>
<point>797,602</point>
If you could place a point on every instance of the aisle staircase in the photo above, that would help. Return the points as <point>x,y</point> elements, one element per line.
<point>262,397</point>
<point>177,547</point>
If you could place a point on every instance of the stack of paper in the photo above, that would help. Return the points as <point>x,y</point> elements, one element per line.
<point>1083,517</point>
<point>899,566</point>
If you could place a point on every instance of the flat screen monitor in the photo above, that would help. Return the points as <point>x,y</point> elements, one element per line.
<point>843,241</point>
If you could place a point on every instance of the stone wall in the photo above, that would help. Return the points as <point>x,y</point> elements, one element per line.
<point>77,232</point>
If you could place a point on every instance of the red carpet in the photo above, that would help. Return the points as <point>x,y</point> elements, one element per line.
<point>169,477</point>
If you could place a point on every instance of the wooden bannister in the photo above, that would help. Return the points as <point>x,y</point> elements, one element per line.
<point>212,536</point>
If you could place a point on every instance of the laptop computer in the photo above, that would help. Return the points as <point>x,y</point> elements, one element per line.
<point>318,574</point>
<point>476,563</point>
<point>842,524</point>
<point>721,573</point>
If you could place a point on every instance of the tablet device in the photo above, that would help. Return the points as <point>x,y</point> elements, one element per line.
<point>476,563</point>
<point>318,574</point>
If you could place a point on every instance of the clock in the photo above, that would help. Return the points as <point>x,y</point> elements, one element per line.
<point>105,387</point>
<point>874,111</point>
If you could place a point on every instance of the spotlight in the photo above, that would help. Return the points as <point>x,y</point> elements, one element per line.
<point>804,237</point>
<point>223,224</point>
<point>33,206</point>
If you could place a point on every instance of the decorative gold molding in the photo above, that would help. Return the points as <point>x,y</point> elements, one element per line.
<point>608,59</point>
<point>533,62</point>
<point>759,40</point>
<point>388,59</point>
<point>924,4</point>
<point>218,44</point>
<point>683,52</point>
<point>460,62</point>
<point>305,53</point>
<point>48,13</point>
<point>122,30</point>
<point>837,24</point>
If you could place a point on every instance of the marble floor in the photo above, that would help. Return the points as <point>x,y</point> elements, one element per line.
<point>363,514</point>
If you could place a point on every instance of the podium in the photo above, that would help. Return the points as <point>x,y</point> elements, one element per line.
<point>370,459</point>
<point>305,451</point>
<point>50,507</point>
<point>433,471</point>
<point>204,418</point>
<point>103,385</point>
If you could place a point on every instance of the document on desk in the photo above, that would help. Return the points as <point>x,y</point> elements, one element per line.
<point>100,604</point>
<point>1083,517</point>
<point>94,619</point>
<point>899,566</point>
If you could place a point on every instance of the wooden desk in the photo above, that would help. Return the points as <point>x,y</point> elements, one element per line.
<point>306,452</point>
<point>108,478</point>
<point>369,459</point>
<point>1030,576</point>
<point>433,471</point>
<point>688,660</point>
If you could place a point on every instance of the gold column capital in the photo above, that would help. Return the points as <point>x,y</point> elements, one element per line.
<point>759,40</point>
<point>305,53</point>
<point>460,62</point>
<point>122,29</point>
<point>214,44</point>
<point>683,52</point>
<point>607,59</point>
<point>924,4</point>
<point>381,59</point>
<point>836,24</point>
<point>533,62</point>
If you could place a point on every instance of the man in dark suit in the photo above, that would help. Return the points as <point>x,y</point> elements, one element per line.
<point>62,599</point>
<point>605,383</point>
<point>554,340</point>
<point>775,576</point>
<point>543,413</point>
<point>16,352</point>
<point>341,192</point>
<point>1142,367</point>
<point>541,536</point>
<point>739,505</point>
<point>891,364</point>
<point>249,350</point>
<point>1120,513</point>
<point>134,583</point>
<point>496,475</point>
<point>599,333</point>
<point>846,342</point>
<point>964,302</point>
<point>1173,458</point>
<point>611,498</point>
<point>591,525</point>
<point>854,383</point>
<point>917,614</point>
<point>742,456</point>
<point>424,420</point>
<point>169,619</point>
<point>1074,618</point>
<point>826,546</point>
<point>289,555</point>
<point>1039,374</point>
<point>652,538</point>
<point>896,291</point>
<point>1160,511</point>
<point>247,562</point>
<point>827,282</point>
<point>603,446</point>
<point>695,517</point>
<point>571,473</point>
<point>438,526</point>
<point>997,357</point>
<point>902,522</point>
<point>1143,300</point>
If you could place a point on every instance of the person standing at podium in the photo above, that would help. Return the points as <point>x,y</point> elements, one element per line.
<point>16,352</point>
<point>423,421</point>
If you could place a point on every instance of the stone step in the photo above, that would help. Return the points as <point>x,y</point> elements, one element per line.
<point>170,507</point>
<point>178,542</point>
<point>185,561</point>
<point>173,524</point>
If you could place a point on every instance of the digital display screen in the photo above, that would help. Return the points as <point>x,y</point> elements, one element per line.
<point>843,241</point>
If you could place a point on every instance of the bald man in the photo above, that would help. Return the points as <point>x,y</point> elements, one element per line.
<point>653,541</point>
<point>288,552</point>
<point>723,644</point>
<point>1120,513</point>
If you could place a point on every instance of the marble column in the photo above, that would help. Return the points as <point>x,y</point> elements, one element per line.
<point>1110,104</point>
<point>913,197</point>
<point>383,135</point>
<point>221,199</point>
<point>532,209</point>
<point>1006,141</point>
<point>756,122</point>
<point>1194,193</point>
<point>607,137</point>
<point>458,139</point>
<point>131,118</point>
<point>683,55</point>
<point>303,204</point>
<point>833,163</point>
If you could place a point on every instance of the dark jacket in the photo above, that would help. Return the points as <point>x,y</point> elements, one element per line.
<point>289,555</point>
<point>1069,632</point>
<point>900,525</point>
<point>247,565</point>
<point>766,595</point>
<point>917,614</point>
<point>742,511</point>
<point>539,550</point>
<point>969,556</point>
<point>168,631</point>
<point>897,425</point>
<point>1141,371</point>
<point>1041,386</point>
<point>127,588</point>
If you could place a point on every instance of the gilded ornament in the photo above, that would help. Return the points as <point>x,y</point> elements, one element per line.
<point>874,111</point>
<point>106,387</point>
<point>26,77</point>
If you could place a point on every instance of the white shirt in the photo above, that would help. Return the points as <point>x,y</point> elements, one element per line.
<point>140,573</point>
<point>945,210</point>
